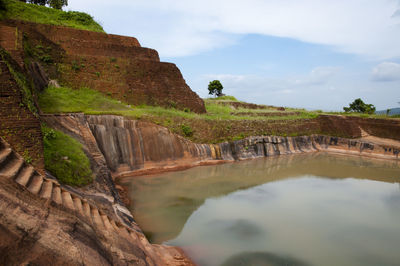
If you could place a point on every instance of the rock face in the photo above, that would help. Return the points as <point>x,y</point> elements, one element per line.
<point>134,147</point>
<point>43,222</point>
<point>115,65</point>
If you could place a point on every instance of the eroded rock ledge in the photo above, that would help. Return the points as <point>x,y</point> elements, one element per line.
<point>132,147</point>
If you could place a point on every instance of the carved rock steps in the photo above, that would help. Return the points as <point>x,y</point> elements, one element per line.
<point>12,166</point>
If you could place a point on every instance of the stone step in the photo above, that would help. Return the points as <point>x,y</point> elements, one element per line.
<point>47,189</point>
<point>78,205</point>
<point>12,167</point>
<point>56,195</point>
<point>114,225</point>
<point>122,230</point>
<point>35,184</point>
<point>67,200</point>
<point>25,175</point>
<point>106,222</point>
<point>86,210</point>
<point>4,155</point>
<point>96,217</point>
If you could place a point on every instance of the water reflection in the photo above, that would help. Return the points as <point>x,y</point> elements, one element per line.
<point>318,210</point>
<point>261,259</point>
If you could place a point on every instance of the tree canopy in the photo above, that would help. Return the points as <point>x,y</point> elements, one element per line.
<point>215,88</point>
<point>57,4</point>
<point>358,106</point>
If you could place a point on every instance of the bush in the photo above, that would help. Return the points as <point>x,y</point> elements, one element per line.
<point>65,159</point>
<point>186,130</point>
<point>82,18</point>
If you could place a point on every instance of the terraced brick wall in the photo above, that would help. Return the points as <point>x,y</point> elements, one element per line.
<point>115,65</point>
<point>18,125</point>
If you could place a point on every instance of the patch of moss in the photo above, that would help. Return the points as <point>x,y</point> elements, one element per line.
<point>64,158</point>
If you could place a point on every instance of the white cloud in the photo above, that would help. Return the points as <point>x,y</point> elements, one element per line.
<point>318,76</point>
<point>386,71</point>
<point>178,28</point>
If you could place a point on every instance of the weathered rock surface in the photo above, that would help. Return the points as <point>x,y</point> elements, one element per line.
<point>135,147</point>
<point>43,222</point>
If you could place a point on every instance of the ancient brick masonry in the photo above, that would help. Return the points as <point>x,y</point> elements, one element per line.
<point>17,124</point>
<point>115,65</point>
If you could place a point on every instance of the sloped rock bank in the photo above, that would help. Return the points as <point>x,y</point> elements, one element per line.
<point>135,147</point>
<point>43,222</point>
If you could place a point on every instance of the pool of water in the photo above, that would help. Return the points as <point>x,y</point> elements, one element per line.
<point>317,209</point>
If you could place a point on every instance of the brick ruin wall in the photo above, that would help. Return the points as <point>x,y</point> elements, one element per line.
<point>115,65</point>
<point>18,126</point>
<point>383,128</point>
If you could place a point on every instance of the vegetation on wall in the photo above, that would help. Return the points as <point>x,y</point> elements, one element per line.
<point>65,159</point>
<point>25,86</point>
<point>40,14</point>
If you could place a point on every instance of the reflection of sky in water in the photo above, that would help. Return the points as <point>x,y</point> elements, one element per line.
<point>278,209</point>
<point>310,219</point>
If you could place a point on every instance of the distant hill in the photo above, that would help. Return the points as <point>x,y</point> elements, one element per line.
<point>393,111</point>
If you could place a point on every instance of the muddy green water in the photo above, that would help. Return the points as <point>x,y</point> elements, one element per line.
<point>317,209</point>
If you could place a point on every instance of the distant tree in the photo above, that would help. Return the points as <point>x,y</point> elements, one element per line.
<point>358,106</point>
<point>215,88</point>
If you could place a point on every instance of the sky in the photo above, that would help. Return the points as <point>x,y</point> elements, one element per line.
<point>314,54</point>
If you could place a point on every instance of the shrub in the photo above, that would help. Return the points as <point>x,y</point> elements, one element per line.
<point>82,18</point>
<point>186,130</point>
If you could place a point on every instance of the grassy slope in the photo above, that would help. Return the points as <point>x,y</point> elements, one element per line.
<point>64,158</point>
<point>44,15</point>
<point>219,124</point>
<point>63,100</point>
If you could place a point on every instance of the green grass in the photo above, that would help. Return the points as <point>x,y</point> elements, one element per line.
<point>224,98</point>
<point>85,100</point>
<point>66,100</point>
<point>64,158</point>
<point>45,15</point>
